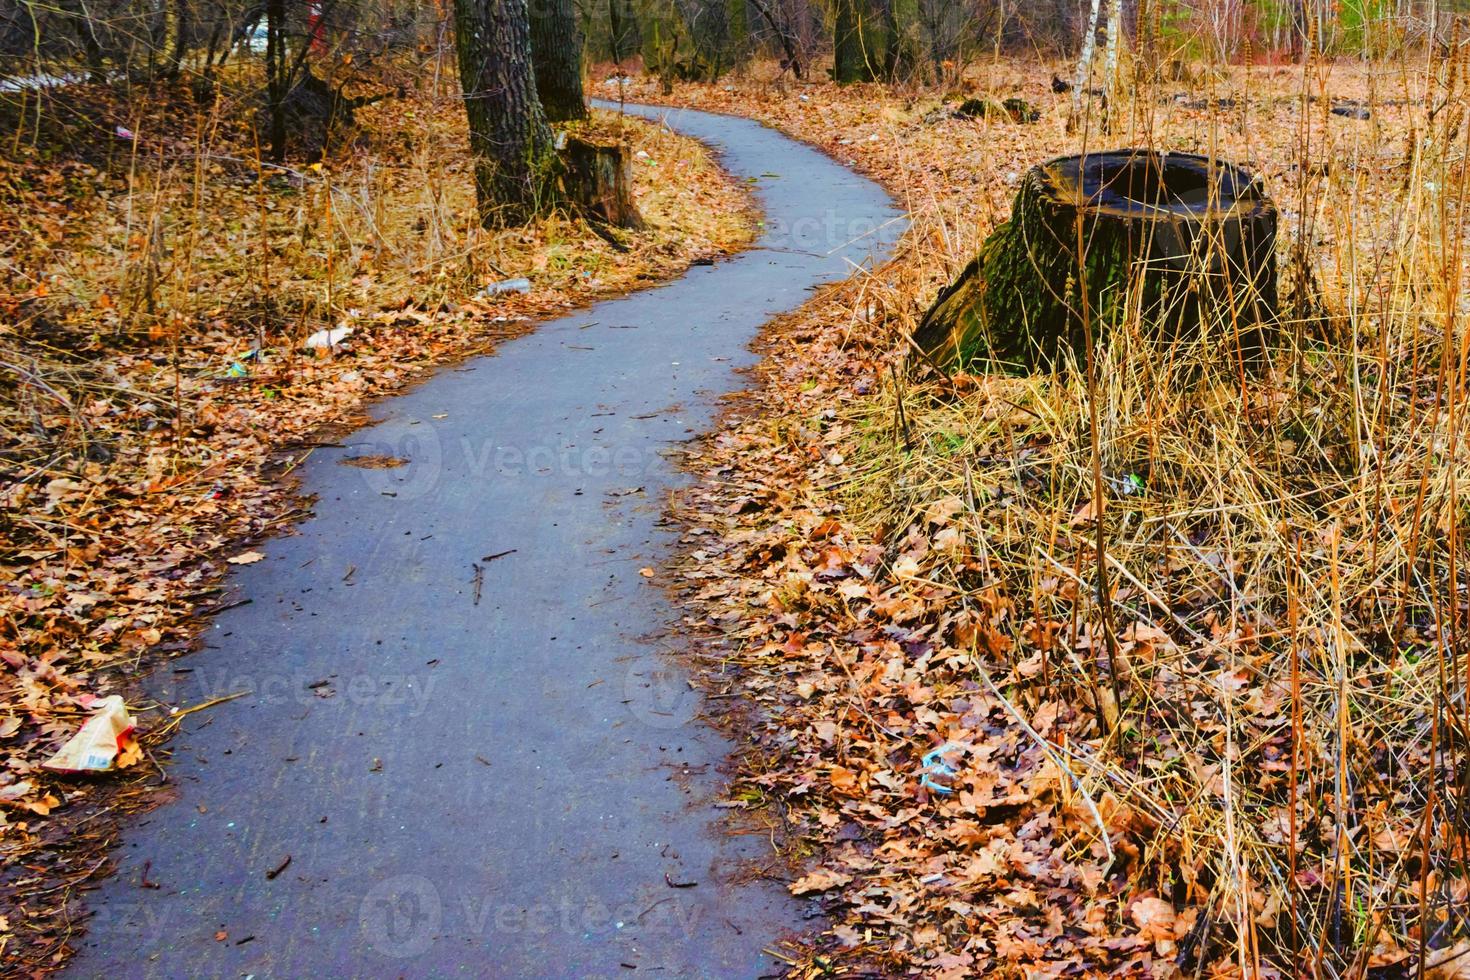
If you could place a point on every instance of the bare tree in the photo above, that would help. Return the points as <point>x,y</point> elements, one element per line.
<point>952,31</point>
<point>277,83</point>
<point>708,24</point>
<point>623,34</point>
<point>785,33</point>
<point>1301,40</point>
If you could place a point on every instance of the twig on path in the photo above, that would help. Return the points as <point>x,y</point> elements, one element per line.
<point>180,716</point>
<point>226,607</point>
<point>655,905</point>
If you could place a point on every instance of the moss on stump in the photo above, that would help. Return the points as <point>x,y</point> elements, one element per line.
<point>1012,110</point>
<point>1187,243</point>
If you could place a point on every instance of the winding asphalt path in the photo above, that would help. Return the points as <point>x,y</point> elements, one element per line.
<point>495,779</point>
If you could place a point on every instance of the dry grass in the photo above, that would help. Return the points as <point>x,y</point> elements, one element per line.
<point>182,244</point>
<point>1259,678</point>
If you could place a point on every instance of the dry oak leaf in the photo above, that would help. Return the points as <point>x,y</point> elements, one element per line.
<point>1154,918</point>
<point>821,880</point>
<point>943,511</point>
<point>1449,964</point>
<point>248,558</point>
<point>843,780</point>
<point>905,567</point>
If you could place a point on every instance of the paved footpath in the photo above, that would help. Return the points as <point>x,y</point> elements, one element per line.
<point>495,775</point>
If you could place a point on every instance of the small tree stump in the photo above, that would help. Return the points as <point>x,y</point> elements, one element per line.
<point>1187,243</point>
<point>598,181</point>
<point>1014,110</point>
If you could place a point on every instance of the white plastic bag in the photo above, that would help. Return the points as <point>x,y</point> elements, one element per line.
<point>96,748</point>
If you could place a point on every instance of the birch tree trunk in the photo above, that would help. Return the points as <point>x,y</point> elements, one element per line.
<point>1111,84</point>
<point>509,138</point>
<point>1084,63</point>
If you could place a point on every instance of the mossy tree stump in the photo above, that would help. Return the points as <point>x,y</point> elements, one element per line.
<point>1014,110</point>
<point>598,180</point>
<point>1186,243</point>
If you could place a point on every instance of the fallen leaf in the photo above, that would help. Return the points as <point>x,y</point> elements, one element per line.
<point>843,780</point>
<point>1154,918</point>
<point>821,880</point>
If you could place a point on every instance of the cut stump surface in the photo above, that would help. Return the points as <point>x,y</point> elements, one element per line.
<point>1187,242</point>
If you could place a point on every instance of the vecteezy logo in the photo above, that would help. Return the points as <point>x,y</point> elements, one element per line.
<point>658,694</point>
<point>414,454</point>
<point>400,917</point>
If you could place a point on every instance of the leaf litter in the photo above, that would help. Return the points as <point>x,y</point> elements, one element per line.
<point>153,412</point>
<point>967,771</point>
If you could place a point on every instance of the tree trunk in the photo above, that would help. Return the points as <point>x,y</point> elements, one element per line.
<point>556,47</point>
<point>277,85</point>
<point>849,61</point>
<point>509,138</point>
<point>624,35</point>
<point>892,40</point>
<point>599,182</point>
<point>1187,244</point>
<point>1112,86</point>
<point>92,52</point>
<point>708,25</point>
<point>615,30</point>
<point>1302,30</point>
<point>182,27</point>
<point>157,34</point>
<point>1145,38</point>
<point>216,36</point>
<point>784,35</point>
<point>1081,83</point>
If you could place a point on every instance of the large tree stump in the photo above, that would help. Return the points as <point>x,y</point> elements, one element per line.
<point>1187,243</point>
<point>599,181</point>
